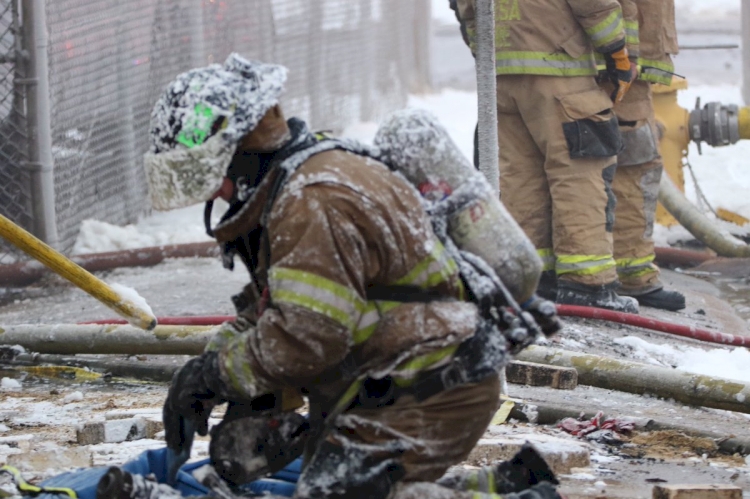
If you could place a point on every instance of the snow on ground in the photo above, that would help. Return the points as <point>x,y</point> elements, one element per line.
<point>720,363</point>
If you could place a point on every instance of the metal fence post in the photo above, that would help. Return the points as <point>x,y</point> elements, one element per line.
<point>40,162</point>
<point>486,92</point>
<point>746,51</point>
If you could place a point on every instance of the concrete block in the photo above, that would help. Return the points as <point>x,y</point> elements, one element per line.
<point>147,413</point>
<point>20,442</point>
<point>697,492</point>
<point>117,430</point>
<point>561,455</point>
<point>528,373</point>
<point>54,458</point>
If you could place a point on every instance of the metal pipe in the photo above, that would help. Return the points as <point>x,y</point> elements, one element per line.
<point>631,377</point>
<point>66,339</point>
<point>746,51</point>
<point>487,92</point>
<point>40,162</point>
<point>23,273</point>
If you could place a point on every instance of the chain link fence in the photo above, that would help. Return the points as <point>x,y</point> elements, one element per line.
<point>15,188</point>
<point>349,61</point>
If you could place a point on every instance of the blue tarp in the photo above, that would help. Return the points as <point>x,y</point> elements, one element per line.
<point>84,481</point>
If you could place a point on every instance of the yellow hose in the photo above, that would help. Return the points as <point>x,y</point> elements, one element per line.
<point>722,242</point>
<point>744,119</point>
<point>77,275</point>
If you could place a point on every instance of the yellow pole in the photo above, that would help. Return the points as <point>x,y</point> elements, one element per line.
<point>77,275</point>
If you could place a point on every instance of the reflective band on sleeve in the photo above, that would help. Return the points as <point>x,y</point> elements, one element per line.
<point>404,374</point>
<point>632,33</point>
<point>607,31</point>
<point>636,267</point>
<point>543,63</point>
<point>583,264</point>
<point>237,366</point>
<point>436,269</point>
<point>548,258</point>
<point>316,293</point>
<point>656,72</point>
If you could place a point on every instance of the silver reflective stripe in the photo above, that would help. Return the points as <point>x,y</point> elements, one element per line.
<point>603,35</point>
<point>574,267</point>
<point>547,63</point>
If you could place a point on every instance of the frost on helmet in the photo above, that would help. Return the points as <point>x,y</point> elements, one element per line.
<point>197,123</point>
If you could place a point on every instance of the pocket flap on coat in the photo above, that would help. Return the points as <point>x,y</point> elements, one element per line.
<point>585,104</point>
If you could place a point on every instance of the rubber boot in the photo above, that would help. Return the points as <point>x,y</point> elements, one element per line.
<point>661,298</point>
<point>572,293</point>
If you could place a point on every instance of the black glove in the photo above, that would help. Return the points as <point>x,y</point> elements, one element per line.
<point>544,313</point>
<point>196,389</point>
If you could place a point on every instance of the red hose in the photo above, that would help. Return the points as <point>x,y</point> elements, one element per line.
<point>211,320</point>
<point>563,310</point>
<point>646,323</point>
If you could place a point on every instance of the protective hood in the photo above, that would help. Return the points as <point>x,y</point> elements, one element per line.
<point>197,123</point>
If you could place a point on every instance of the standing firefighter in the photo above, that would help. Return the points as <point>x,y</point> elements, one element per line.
<point>354,303</point>
<point>639,169</point>
<point>559,137</point>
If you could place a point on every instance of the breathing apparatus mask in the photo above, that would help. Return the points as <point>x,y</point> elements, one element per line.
<point>196,126</point>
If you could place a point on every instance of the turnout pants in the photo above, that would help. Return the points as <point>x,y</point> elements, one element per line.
<point>636,187</point>
<point>558,141</point>
<point>398,448</point>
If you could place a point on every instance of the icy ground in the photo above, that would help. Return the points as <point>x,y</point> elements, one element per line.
<point>38,416</point>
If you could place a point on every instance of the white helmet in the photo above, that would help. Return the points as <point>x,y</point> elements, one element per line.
<point>198,122</point>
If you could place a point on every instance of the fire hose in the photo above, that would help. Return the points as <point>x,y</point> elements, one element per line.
<point>563,310</point>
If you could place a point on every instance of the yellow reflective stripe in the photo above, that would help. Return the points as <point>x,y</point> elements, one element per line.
<point>435,269</point>
<point>342,317</point>
<point>636,267</point>
<point>583,264</point>
<point>404,374</point>
<point>241,376</point>
<point>635,262</point>
<point>608,30</point>
<point>491,481</point>
<point>368,322</point>
<point>632,33</point>
<point>316,293</point>
<point>25,487</point>
<point>543,63</point>
<point>548,258</point>
<point>656,71</point>
<point>472,483</point>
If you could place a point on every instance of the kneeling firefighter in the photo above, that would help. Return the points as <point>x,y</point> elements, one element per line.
<point>354,303</point>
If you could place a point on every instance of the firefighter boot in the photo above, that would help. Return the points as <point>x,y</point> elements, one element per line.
<point>572,293</point>
<point>661,298</point>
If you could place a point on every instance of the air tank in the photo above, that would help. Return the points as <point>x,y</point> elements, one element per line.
<point>416,145</point>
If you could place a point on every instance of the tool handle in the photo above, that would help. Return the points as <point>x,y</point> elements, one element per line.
<point>76,274</point>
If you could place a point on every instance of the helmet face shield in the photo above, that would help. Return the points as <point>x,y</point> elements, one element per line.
<point>183,177</point>
<point>198,122</point>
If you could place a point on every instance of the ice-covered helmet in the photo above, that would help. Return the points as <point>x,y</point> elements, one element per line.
<point>198,122</point>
